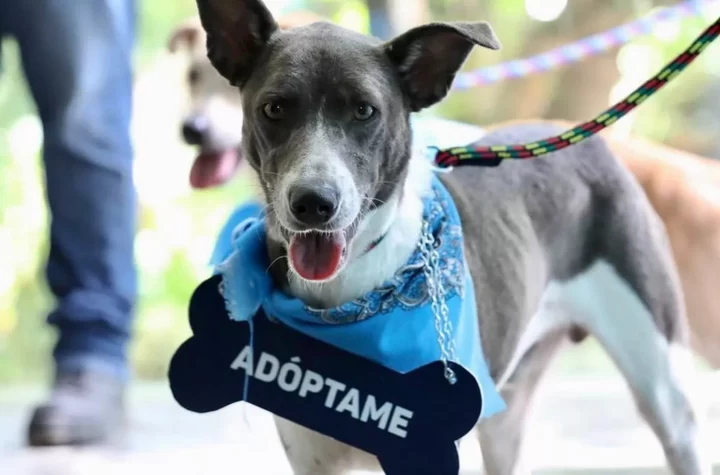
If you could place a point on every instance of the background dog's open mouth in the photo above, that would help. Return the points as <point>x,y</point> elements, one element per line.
<point>316,255</point>
<point>214,168</point>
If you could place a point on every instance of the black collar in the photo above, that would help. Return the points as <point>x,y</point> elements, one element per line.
<point>375,242</point>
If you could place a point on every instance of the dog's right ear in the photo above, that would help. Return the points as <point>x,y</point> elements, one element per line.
<point>237,32</point>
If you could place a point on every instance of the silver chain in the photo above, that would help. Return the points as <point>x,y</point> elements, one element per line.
<point>436,291</point>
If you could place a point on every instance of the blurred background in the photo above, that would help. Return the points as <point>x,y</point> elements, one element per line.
<point>178,226</point>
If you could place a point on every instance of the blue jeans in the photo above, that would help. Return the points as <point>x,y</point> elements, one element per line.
<point>76,56</point>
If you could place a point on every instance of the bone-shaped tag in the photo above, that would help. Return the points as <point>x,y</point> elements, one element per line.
<point>411,421</point>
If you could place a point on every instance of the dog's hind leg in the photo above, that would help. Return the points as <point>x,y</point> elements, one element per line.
<point>638,324</point>
<point>501,436</point>
<point>612,313</point>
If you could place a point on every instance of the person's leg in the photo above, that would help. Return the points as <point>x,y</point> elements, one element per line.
<point>77,59</point>
<point>3,31</point>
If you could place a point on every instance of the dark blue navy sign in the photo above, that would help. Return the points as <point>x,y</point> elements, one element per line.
<point>324,388</point>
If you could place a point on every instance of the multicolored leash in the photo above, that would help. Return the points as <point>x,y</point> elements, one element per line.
<point>494,155</point>
<point>580,49</point>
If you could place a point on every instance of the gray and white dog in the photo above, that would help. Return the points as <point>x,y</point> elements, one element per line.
<point>326,128</point>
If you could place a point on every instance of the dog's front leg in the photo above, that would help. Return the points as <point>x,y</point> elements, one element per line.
<point>310,453</point>
<point>501,436</point>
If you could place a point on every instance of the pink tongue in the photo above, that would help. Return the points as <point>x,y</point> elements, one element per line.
<point>213,169</point>
<point>316,256</point>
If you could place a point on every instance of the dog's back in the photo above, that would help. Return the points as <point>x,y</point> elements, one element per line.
<point>531,222</point>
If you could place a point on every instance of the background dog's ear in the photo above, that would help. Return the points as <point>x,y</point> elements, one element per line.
<point>298,18</point>
<point>429,56</point>
<point>185,36</point>
<point>237,31</point>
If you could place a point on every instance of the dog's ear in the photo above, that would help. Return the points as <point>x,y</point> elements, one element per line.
<point>298,18</point>
<point>185,36</point>
<point>428,57</point>
<point>237,32</point>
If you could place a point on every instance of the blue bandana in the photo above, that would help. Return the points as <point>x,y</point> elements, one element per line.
<point>393,325</point>
<point>427,132</point>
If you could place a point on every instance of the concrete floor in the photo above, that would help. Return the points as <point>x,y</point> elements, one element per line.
<point>578,427</point>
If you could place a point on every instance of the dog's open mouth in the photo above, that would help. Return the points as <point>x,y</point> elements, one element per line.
<point>214,168</point>
<point>317,255</point>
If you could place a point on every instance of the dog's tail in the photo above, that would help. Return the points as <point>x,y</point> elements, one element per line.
<point>634,241</point>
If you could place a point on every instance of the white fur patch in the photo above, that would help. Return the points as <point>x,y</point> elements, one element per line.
<point>365,272</point>
<point>660,375</point>
<point>319,164</point>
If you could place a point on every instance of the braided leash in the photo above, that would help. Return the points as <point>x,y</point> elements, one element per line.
<point>578,50</point>
<point>494,155</point>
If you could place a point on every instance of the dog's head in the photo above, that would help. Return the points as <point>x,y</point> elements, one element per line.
<point>214,121</point>
<point>327,117</point>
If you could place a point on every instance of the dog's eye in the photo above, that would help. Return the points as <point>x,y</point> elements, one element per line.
<point>274,111</point>
<point>363,111</point>
<point>193,76</point>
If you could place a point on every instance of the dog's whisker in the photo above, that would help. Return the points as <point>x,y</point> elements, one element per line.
<point>269,208</point>
<point>387,182</point>
<point>279,258</point>
<point>374,201</point>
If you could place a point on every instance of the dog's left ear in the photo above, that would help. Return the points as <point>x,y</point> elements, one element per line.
<point>237,32</point>
<point>428,57</point>
<point>185,36</point>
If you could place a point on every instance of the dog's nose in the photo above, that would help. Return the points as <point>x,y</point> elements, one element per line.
<point>194,129</point>
<point>314,206</point>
